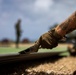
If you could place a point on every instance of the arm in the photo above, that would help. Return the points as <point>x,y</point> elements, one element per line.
<point>50,39</point>
<point>67,26</point>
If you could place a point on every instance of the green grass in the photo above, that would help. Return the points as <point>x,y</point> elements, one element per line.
<point>57,49</point>
<point>4,50</point>
<point>7,50</point>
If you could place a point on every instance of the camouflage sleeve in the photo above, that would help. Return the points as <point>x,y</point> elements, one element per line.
<point>67,26</point>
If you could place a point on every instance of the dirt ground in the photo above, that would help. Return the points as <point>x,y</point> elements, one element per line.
<point>63,66</point>
<point>47,66</point>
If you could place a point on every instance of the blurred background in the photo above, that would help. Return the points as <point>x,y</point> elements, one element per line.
<point>37,17</point>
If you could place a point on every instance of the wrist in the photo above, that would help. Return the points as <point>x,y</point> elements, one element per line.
<point>55,34</point>
<point>60,32</point>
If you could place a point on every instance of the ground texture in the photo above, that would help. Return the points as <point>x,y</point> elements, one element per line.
<point>47,66</point>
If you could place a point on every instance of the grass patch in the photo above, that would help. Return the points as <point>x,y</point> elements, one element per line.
<point>7,50</point>
<point>4,50</point>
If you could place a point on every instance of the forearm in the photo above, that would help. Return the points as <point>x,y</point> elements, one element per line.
<point>67,26</point>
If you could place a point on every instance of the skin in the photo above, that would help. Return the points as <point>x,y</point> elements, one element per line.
<point>67,26</point>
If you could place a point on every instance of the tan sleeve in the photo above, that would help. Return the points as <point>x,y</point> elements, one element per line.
<point>67,26</point>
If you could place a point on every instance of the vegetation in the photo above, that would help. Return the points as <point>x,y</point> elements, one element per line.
<point>8,50</point>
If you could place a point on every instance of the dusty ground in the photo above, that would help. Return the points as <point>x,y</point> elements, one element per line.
<point>48,66</point>
<point>63,66</point>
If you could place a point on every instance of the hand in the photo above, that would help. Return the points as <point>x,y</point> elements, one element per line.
<point>49,40</point>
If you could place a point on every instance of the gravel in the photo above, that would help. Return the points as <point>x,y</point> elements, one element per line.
<point>47,66</point>
<point>63,66</point>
